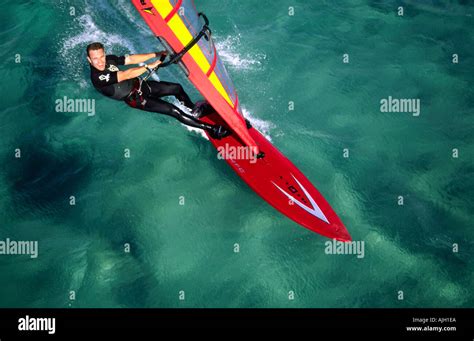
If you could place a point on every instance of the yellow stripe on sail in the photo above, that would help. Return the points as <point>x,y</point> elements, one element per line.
<point>163,7</point>
<point>176,24</point>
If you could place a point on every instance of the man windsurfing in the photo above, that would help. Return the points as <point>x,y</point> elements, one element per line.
<point>146,95</point>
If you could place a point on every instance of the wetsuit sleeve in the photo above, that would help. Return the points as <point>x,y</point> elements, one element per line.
<point>117,60</point>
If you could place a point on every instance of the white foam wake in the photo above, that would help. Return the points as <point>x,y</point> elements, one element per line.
<point>90,33</point>
<point>228,50</point>
<point>262,126</point>
<point>72,50</point>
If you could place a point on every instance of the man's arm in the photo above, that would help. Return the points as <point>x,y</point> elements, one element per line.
<point>135,71</point>
<point>140,58</point>
<point>130,73</point>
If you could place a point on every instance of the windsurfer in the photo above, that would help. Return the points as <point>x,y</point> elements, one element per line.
<point>147,95</point>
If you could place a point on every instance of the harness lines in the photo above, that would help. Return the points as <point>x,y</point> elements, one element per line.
<point>136,99</point>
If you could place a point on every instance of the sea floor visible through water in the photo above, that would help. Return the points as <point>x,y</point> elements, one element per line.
<point>173,221</point>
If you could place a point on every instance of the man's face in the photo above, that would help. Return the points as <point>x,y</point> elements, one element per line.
<point>97,59</point>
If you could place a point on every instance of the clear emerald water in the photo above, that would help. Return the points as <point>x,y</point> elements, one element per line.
<point>273,59</point>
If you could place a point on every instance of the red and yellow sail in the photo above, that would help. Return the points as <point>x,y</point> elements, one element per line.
<point>176,23</point>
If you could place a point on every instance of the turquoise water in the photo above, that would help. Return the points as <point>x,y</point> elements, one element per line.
<point>273,58</point>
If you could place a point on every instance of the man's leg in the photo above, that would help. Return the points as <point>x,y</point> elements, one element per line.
<point>163,107</point>
<point>160,89</point>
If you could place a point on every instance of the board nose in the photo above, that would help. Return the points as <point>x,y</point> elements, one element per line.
<point>341,233</point>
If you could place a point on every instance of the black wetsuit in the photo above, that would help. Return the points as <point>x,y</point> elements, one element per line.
<point>150,100</point>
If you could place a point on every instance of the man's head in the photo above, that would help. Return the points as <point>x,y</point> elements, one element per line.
<point>96,56</point>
